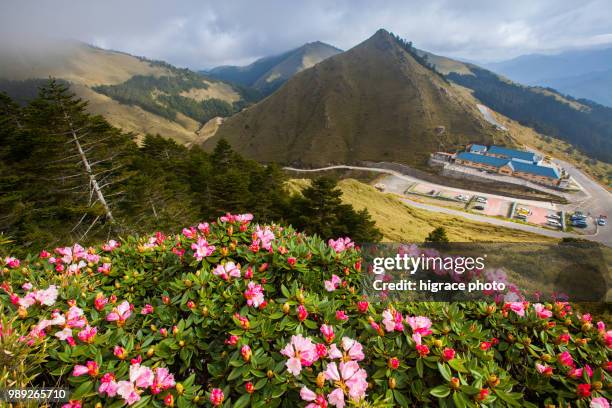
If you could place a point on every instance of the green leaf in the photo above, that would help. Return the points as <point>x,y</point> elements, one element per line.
<point>459,400</point>
<point>419,367</point>
<point>445,371</point>
<point>457,364</point>
<point>441,391</point>
<point>242,401</point>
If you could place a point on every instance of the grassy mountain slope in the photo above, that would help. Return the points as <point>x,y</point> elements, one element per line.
<point>132,93</point>
<point>269,73</point>
<point>400,223</point>
<point>373,102</point>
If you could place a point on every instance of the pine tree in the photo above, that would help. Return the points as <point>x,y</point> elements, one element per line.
<point>76,160</point>
<point>438,235</point>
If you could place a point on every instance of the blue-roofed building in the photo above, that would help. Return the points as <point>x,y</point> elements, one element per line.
<point>476,148</point>
<point>507,153</point>
<point>510,167</point>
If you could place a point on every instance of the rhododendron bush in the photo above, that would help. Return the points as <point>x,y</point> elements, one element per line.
<point>232,313</point>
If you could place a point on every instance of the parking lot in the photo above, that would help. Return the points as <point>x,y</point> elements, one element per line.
<point>493,207</point>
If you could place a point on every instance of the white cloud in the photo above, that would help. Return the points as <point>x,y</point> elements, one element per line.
<point>201,34</point>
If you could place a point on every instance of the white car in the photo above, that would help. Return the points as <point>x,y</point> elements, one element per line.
<point>553,217</point>
<point>554,223</point>
<point>481,200</point>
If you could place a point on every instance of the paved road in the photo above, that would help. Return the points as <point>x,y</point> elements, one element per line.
<point>599,200</point>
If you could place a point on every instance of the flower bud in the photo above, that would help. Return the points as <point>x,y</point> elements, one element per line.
<point>249,387</point>
<point>437,343</point>
<point>181,343</point>
<point>455,384</point>
<point>270,374</point>
<point>392,383</point>
<point>321,379</point>
<point>150,351</point>
<point>286,308</point>
<point>493,380</point>
<point>205,311</point>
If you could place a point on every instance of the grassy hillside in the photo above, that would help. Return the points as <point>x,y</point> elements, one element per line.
<point>269,73</point>
<point>133,93</point>
<point>399,222</point>
<point>373,102</point>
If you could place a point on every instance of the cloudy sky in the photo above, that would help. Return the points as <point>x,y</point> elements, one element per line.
<point>203,34</point>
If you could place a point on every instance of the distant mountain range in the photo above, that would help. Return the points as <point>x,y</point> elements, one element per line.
<point>582,73</point>
<point>381,100</point>
<point>269,73</point>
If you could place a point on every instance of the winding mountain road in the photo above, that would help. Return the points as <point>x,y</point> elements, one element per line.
<point>599,201</point>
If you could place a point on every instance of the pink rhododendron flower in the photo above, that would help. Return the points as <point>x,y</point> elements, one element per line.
<point>392,320</point>
<point>120,313</point>
<point>100,301</point>
<point>204,228</point>
<point>566,359</point>
<point>75,317</point>
<point>12,262</point>
<point>226,271</point>
<point>246,352</point>
<point>190,232</point>
<point>301,353</point>
<point>544,369</point>
<point>127,391</point>
<point>362,306</point>
<point>316,400</point>
<point>254,294</point>
<point>517,307</point>
<point>302,313</point>
<point>202,249</point>
<point>232,340</point>
<point>243,218</point>
<point>608,338</point>
<point>448,354</point>
<point>147,309</point>
<point>162,381</point>
<point>216,397</point>
<point>263,237</point>
<point>73,404</point>
<point>351,350</point>
<point>141,376</point>
<point>341,244</point>
<point>64,334</point>
<point>88,334</point>
<point>541,311</point>
<point>26,286</point>
<point>601,327</point>
<point>421,326</point>
<point>341,315</point>
<point>328,333</point>
<point>599,402</point>
<point>120,352</point>
<point>108,385</point>
<point>321,350</point>
<point>331,285</point>
<point>90,368</point>
<point>105,268</point>
<point>44,254</point>
<point>422,349</point>
<point>111,245</point>
<point>348,375</point>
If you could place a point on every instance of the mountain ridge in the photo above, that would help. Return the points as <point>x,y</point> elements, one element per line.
<point>372,102</point>
<point>268,73</point>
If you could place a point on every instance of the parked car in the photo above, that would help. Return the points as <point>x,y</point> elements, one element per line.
<point>579,224</point>
<point>462,197</point>
<point>602,220</point>
<point>482,200</point>
<point>553,217</point>
<point>523,211</point>
<point>553,223</point>
<point>521,217</point>
<point>479,207</point>
<point>578,218</point>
